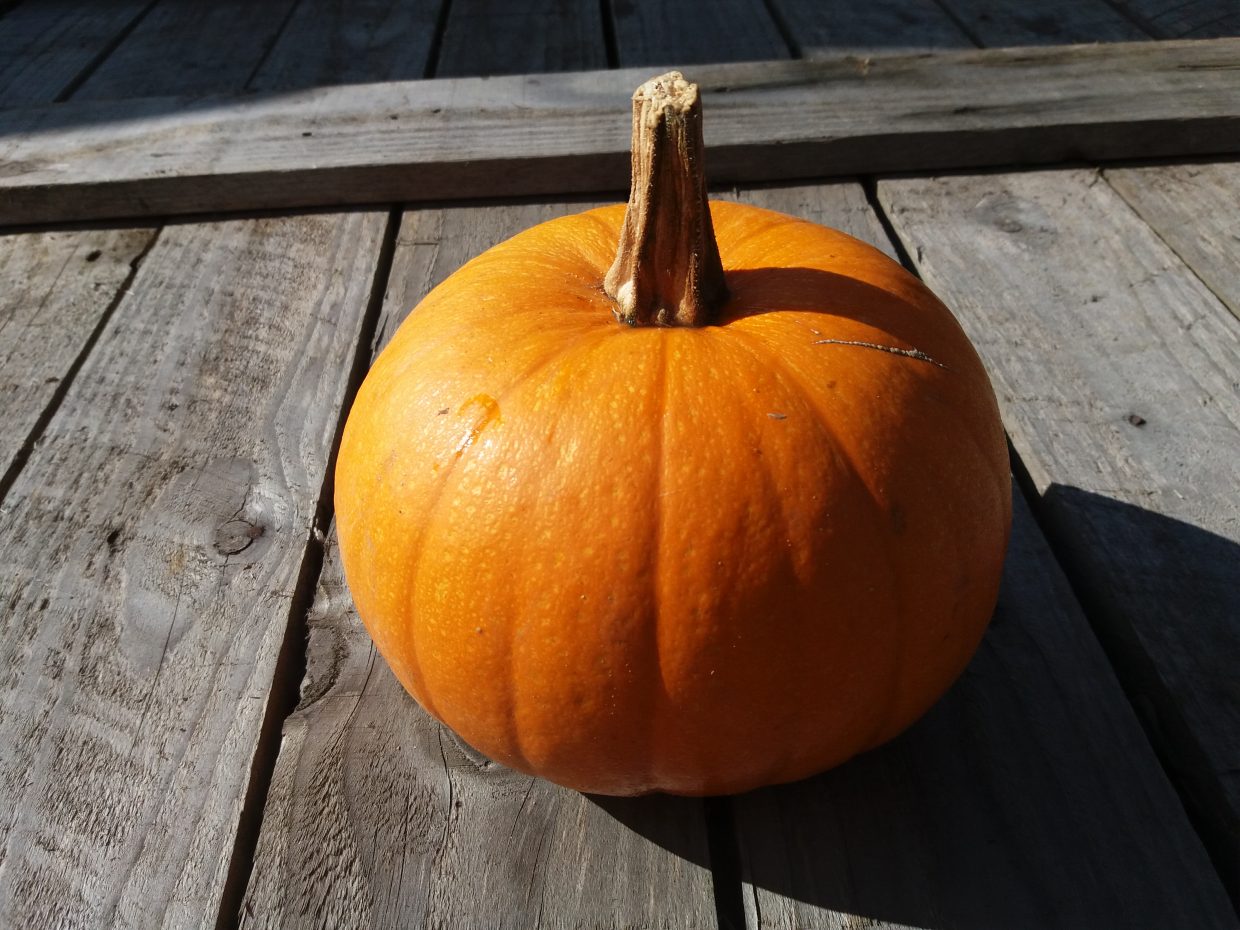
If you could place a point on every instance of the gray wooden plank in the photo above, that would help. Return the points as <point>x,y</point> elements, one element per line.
<point>45,45</point>
<point>325,40</point>
<point>351,42</point>
<point>485,37</point>
<point>55,290</point>
<point>823,28</point>
<point>680,33</point>
<point>189,48</point>
<point>997,23</point>
<point>1182,203</point>
<point>1185,19</point>
<point>1027,798</point>
<point>1117,371</point>
<point>150,549</point>
<point>474,137</point>
<point>378,817</point>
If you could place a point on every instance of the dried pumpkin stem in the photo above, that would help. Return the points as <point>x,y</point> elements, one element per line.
<point>667,270</point>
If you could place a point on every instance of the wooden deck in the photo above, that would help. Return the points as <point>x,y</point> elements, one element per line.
<point>214,217</point>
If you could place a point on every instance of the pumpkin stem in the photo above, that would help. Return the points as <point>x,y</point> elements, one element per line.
<point>667,270</point>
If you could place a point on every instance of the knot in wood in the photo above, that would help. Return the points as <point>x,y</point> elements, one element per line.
<point>236,536</point>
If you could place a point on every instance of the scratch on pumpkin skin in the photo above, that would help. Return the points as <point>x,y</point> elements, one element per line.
<point>894,350</point>
<point>489,414</point>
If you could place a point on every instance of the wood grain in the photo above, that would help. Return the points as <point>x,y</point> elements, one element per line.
<point>55,290</point>
<point>996,23</point>
<point>378,817</point>
<point>1185,19</point>
<point>188,48</point>
<point>827,28</point>
<point>350,42</point>
<point>358,37</point>
<point>471,137</point>
<point>44,46</point>
<point>1027,798</point>
<point>1183,203</point>
<point>485,37</point>
<point>1117,371</point>
<point>680,33</point>
<point>149,553</point>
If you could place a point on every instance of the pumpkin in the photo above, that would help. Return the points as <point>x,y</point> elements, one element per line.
<point>720,507</point>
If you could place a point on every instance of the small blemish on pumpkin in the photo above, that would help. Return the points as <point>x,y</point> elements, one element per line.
<point>443,411</point>
<point>487,413</point>
<point>778,416</point>
<point>478,630</point>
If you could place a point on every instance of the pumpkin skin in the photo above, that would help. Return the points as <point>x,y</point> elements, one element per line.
<point>685,559</point>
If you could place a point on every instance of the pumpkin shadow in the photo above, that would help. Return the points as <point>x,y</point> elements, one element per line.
<point>755,291</point>
<point>828,305</point>
<point>1029,796</point>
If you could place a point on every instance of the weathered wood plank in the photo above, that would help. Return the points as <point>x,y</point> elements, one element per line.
<point>1185,206</point>
<point>326,40</point>
<point>825,28</point>
<point>472,137</point>
<point>676,34</point>
<point>1027,798</point>
<point>1186,19</point>
<point>55,290</point>
<point>485,37</point>
<point>1117,372</point>
<point>378,817</point>
<point>45,45</point>
<point>997,23</point>
<point>189,48</point>
<point>149,552</point>
<point>350,42</point>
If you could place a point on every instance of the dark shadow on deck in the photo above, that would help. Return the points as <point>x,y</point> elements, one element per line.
<point>1029,796</point>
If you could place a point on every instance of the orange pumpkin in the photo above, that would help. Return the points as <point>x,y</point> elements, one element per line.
<point>754,532</point>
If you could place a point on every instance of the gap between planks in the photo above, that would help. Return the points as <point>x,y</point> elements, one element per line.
<point>21,454</point>
<point>599,862</point>
<point>290,667</point>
